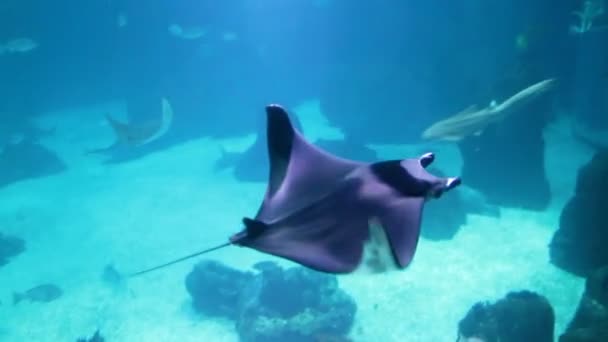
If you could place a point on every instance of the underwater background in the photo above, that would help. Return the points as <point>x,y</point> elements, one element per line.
<point>133,133</point>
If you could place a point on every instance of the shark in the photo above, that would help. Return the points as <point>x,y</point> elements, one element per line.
<point>138,134</point>
<point>473,120</point>
<point>331,214</point>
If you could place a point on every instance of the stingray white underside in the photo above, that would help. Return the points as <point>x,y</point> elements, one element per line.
<point>377,253</point>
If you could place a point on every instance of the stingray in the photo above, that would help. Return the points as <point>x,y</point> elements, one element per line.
<point>138,134</point>
<point>335,215</point>
<point>473,121</point>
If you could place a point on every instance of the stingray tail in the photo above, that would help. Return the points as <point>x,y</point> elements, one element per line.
<point>190,256</point>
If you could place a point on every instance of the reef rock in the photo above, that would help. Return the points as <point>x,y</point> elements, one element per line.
<point>296,304</point>
<point>217,289</point>
<point>10,246</point>
<point>580,244</point>
<point>590,323</point>
<point>275,304</point>
<point>520,316</point>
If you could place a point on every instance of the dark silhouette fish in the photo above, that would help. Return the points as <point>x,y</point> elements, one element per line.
<point>333,214</point>
<point>42,293</point>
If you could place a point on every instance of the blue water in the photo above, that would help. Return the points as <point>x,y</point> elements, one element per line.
<point>367,76</point>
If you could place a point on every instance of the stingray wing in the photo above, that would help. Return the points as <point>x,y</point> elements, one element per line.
<point>300,173</point>
<point>328,235</point>
<point>332,233</point>
<point>318,208</point>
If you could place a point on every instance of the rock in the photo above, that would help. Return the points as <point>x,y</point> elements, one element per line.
<point>275,304</point>
<point>294,305</point>
<point>590,322</point>
<point>216,289</point>
<point>519,317</point>
<point>580,245</point>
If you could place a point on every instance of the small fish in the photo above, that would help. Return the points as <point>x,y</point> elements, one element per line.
<point>188,33</point>
<point>121,19</point>
<point>42,293</point>
<point>473,121</point>
<point>20,45</point>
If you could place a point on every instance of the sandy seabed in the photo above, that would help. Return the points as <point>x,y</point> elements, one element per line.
<point>169,203</point>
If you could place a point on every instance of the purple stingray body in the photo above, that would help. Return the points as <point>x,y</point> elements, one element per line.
<point>318,208</point>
